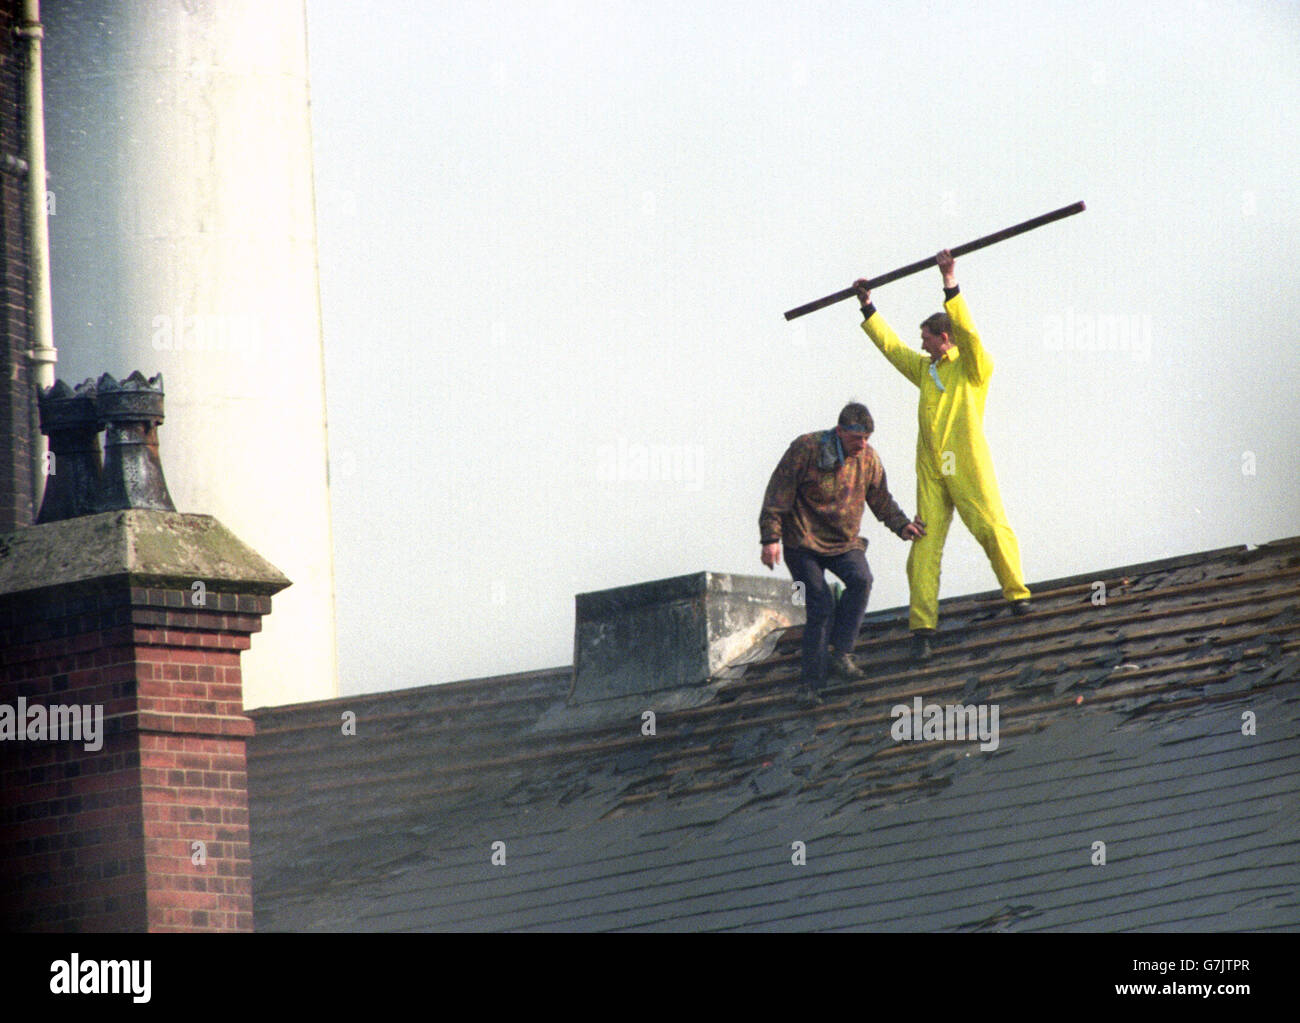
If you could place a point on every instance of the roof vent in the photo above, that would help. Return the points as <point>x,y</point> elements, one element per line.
<point>672,633</point>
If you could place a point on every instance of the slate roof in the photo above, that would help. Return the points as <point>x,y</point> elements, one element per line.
<point>1120,723</point>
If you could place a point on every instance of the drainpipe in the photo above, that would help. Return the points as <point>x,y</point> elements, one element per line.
<point>43,354</point>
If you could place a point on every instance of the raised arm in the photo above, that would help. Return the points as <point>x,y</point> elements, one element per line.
<point>908,362</point>
<point>975,358</point>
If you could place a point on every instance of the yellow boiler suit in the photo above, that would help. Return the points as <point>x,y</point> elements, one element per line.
<point>953,463</point>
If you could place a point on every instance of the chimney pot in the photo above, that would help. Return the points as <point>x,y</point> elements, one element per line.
<point>131,412</point>
<point>74,475</point>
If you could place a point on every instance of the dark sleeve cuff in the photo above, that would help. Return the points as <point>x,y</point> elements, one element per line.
<point>868,310</point>
<point>766,542</point>
<point>951,292</point>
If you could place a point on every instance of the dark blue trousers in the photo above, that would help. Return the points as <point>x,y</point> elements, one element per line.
<point>838,623</point>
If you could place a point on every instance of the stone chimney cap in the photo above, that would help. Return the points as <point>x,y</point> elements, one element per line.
<point>151,547</point>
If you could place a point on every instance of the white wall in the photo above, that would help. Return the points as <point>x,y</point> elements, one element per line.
<point>184,241</point>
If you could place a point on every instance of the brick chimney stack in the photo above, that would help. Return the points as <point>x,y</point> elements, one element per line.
<point>124,801</point>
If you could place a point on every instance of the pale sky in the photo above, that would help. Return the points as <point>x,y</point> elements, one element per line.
<point>556,241</point>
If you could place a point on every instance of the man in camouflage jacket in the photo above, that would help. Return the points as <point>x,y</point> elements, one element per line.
<point>813,507</point>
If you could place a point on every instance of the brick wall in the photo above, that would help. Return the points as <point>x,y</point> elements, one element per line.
<point>104,840</point>
<point>15,319</point>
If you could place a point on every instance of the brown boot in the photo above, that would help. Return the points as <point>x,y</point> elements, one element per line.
<point>842,666</point>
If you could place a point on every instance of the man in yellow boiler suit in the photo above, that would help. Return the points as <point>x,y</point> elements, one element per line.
<point>953,465</point>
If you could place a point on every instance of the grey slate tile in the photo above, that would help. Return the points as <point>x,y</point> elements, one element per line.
<point>1202,825</point>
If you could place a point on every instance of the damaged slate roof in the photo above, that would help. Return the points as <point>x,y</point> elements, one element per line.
<point>1148,714</point>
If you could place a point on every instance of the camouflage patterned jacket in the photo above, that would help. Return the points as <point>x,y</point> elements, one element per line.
<point>816,496</point>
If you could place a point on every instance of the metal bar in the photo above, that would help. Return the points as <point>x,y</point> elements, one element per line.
<point>921,264</point>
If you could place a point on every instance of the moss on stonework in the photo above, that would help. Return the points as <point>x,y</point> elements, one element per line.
<point>155,548</point>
